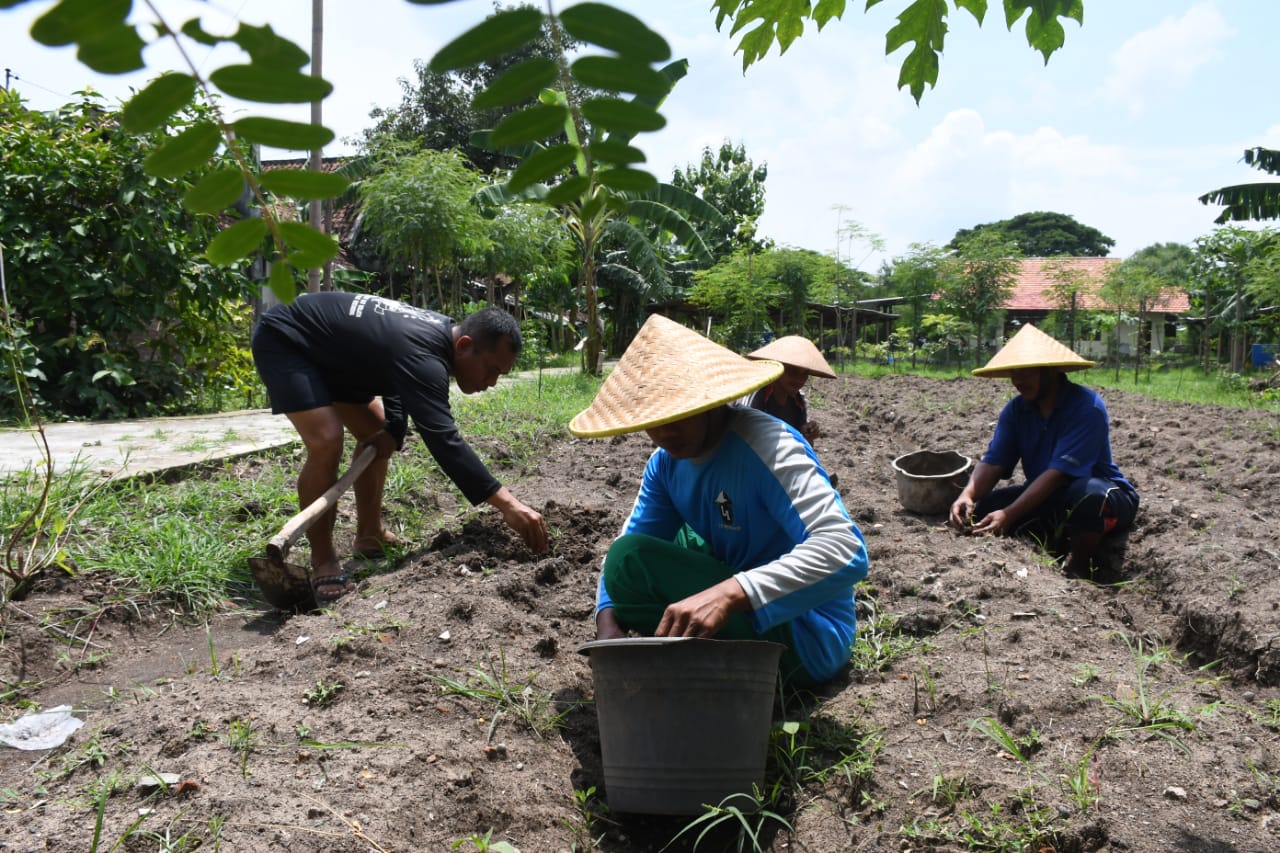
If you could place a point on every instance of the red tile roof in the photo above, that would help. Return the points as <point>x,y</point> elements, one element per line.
<point>1037,277</point>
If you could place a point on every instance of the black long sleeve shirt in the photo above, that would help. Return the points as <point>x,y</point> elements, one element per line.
<point>392,350</point>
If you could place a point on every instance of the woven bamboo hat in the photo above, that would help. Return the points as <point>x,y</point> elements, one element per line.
<point>669,373</point>
<point>796,351</point>
<point>1031,348</point>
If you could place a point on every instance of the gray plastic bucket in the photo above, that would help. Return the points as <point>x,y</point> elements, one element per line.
<point>684,722</point>
<point>929,481</point>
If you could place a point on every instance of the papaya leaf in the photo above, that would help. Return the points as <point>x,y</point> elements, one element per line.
<point>266,85</point>
<point>161,98</point>
<point>617,74</point>
<point>519,83</point>
<point>184,152</point>
<point>214,192</point>
<point>278,133</point>
<point>236,241</point>
<point>616,30</point>
<point>498,34</point>
<point>304,184</point>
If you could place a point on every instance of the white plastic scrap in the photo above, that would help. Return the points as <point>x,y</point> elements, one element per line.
<point>41,730</point>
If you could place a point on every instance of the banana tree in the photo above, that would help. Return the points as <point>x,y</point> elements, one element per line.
<point>581,126</point>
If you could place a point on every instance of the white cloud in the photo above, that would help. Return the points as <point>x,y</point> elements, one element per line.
<point>1155,64</point>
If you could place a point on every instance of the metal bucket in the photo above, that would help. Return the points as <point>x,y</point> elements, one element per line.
<point>929,481</point>
<point>684,722</point>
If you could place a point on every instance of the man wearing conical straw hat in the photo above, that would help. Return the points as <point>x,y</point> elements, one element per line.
<point>1060,433</point>
<point>784,397</point>
<point>736,532</point>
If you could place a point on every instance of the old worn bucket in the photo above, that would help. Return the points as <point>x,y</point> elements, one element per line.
<point>929,481</point>
<point>684,722</point>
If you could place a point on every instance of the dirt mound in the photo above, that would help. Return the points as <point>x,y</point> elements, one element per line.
<point>992,696</point>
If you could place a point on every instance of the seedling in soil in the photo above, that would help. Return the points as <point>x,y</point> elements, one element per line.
<point>584,829</point>
<point>749,819</point>
<point>484,844</point>
<point>1086,673</point>
<point>1082,783</point>
<point>242,739</point>
<point>322,693</point>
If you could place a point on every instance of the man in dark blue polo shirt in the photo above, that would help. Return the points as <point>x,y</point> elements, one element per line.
<point>1060,433</point>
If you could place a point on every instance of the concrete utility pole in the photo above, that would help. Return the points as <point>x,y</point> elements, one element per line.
<point>317,155</point>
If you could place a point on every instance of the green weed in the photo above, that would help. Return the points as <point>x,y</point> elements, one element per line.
<point>484,844</point>
<point>1144,708</point>
<point>523,700</point>
<point>741,812</point>
<point>322,693</point>
<point>243,740</point>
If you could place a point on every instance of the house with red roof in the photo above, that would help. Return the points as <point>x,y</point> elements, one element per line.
<point>1033,299</point>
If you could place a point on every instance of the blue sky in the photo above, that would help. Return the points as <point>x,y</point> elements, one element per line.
<point>1150,104</point>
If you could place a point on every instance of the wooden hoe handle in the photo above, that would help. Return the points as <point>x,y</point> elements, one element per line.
<point>278,547</point>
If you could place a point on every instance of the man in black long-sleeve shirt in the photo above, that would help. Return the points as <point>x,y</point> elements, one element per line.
<point>328,357</point>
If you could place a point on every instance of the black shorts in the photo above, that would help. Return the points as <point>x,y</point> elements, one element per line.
<point>294,382</point>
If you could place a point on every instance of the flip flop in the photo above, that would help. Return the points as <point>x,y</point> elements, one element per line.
<point>371,548</point>
<point>339,580</point>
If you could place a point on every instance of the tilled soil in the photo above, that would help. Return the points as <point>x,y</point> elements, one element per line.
<point>994,704</point>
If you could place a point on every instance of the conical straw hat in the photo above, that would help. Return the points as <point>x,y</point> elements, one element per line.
<point>1031,348</point>
<point>669,373</point>
<point>796,351</point>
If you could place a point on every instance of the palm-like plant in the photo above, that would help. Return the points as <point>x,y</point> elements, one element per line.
<point>574,144</point>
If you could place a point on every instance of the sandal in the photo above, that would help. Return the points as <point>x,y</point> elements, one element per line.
<point>373,547</point>
<point>339,581</point>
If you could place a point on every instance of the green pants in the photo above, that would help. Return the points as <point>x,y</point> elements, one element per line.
<point>642,575</point>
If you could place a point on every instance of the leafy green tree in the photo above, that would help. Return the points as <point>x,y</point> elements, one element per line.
<point>915,277</point>
<point>1044,235</point>
<point>104,270</point>
<point>421,210</point>
<point>107,42</point>
<point>1230,269</point>
<point>1068,284</point>
<point>752,293</point>
<point>436,109</point>
<point>526,244</point>
<point>741,292</point>
<point>922,24</point>
<point>1137,283</point>
<point>978,280</point>
<point>729,181</point>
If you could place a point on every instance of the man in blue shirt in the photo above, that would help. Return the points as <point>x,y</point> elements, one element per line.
<point>1060,433</point>
<point>736,532</point>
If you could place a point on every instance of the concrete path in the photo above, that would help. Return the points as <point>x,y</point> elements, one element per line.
<point>128,448</point>
<point>123,449</point>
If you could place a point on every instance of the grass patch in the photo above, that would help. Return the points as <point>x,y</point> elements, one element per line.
<point>188,542</point>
